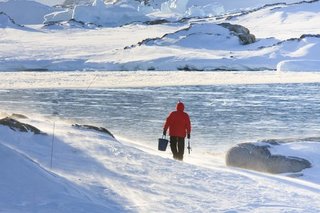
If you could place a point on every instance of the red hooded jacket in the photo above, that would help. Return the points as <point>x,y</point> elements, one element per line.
<point>178,122</point>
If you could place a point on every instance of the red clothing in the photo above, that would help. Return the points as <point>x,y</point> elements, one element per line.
<point>178,122</point>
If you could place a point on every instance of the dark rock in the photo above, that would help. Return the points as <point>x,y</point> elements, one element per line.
<point>189,68</point>
<point>243,33</point>
<point>235,28</point>
<point>246,39</point>
<point>15,125</point>
<point>72,23</point>
<point>35,70</point>
<point>156,22</point>
<point>90,127</point>
<point>6,20</point>
<point>309,36</point>
<point>258,157</point>
<point>18,116</point>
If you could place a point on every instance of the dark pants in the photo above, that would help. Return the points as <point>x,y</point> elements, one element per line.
<point>177,147</point>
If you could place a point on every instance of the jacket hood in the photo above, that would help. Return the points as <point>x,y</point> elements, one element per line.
<point>180,106</point>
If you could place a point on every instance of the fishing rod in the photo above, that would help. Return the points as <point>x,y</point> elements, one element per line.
<point>189,146</point>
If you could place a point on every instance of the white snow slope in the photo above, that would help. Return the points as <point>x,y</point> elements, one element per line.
<point>92,172</point>
<point>27,187</point>
<point>25,12</point>
<point>289,43</point>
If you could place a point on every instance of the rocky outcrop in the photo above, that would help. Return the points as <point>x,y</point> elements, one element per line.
<point>18,116</point>
<point>243,33</point>
<point>16,125</point>
<point>72,23</point>
<point>7,21</point>
<point>90,127</point>
<point>258,157</point>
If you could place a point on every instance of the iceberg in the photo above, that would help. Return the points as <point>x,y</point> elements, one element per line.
<point>186,8</point>
<point>108,15</point>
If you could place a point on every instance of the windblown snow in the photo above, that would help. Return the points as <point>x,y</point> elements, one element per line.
<point>94,172</point>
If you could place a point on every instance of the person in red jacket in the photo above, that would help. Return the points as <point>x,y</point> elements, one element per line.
<point>179,126</point>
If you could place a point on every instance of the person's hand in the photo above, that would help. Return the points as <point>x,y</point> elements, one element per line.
<point>188,136</point>
<point>164,132</point>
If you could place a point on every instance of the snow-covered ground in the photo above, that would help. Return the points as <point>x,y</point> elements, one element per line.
<point>25,12</point>
<point>93,172</point>
<point>103,48</point>
<point>95,39</point>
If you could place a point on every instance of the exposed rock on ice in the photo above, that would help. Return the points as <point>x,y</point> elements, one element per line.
<point>258,157</point>
<point>15,125</point>
<point>59,25</point>
<point>18,116</point>
<point>206,36</point>
<point>90,127</point>
<point>243,33</point>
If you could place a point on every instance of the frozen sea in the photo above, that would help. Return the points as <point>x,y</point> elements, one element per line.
<point>221,115</point>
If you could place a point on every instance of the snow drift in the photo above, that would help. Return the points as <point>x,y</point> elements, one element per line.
<point>299,65</point>
<point>27,187</point>
<point>282,21</point>
<point>99,174</point>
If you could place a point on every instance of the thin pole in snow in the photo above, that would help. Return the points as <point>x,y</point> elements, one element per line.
<point>54,126</point>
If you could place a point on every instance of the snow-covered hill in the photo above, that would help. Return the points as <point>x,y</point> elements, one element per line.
<point>7,21</point>
<point>25,12</point>
<point>154,41</point>
<point>287,21</point>
<point>93,172</point>
<point>27,187</point>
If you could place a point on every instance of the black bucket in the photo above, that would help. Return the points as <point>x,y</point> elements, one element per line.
<point>162,144</point>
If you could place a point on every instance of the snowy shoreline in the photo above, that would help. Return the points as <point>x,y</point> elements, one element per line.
<point>102,174</point>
